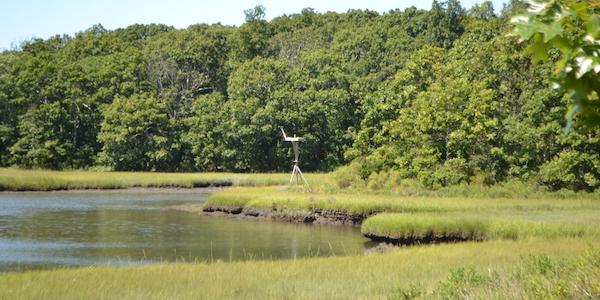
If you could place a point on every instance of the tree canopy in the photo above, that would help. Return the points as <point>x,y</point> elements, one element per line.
<point>445,96</point>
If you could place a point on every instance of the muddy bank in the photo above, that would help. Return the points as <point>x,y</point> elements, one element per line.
<point>409,241</point>
<point>321,217</point>
<point>316,216</point>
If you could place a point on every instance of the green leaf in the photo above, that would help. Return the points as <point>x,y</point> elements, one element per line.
<point>593,26</point>
<point>538,49</point>
<point>561,43</point>
<point>524,27</point>
<point>550,30</point>
<point>580,9</point>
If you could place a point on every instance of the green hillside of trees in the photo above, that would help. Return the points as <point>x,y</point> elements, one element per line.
<point>442,95</point>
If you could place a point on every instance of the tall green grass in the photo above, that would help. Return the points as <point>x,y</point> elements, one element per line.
<point>425,219</point>
<point>350,178</point>
<point>362,203</point>
<point>418,227</point>
<point>535,276</point>
<point>320,183</point>
<point>376,276</point>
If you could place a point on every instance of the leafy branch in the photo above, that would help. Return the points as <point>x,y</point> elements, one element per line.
<point>573,28</point>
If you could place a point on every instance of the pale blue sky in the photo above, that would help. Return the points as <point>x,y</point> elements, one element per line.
<point>23,19</point>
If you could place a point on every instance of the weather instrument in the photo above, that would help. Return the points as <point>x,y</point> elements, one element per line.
<point>296,173</point>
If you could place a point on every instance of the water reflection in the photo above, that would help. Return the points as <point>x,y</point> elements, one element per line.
<point>40,230</point>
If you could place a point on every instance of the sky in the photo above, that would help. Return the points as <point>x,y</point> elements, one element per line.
<point>22,20</point>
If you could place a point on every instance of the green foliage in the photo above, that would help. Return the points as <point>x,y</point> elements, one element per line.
<point>445,23</point>
<point>134,133</point>
<point>259,102</point>
<point>536,276</point>
<point>460,282</point>
<point>407,293</point>
<point>251,39</point>
<point>572,170</point>
<point>440,96</point>
<point>255,14</point>
<point>205,134</point>
<point>349,176</point>
<point>386,180</point>
<point>573,28</point>
<point>42,142</point>
<point>9,107</point>
<point>453,172</point>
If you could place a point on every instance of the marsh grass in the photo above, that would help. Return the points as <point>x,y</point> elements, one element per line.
<point>44,180</point>
<point>367,204</point>
<point>375,276</point>
<point>349,179</point>
<point>409,220</point>
<point>516,224</point>
<point>419,227</point>
<point>534,276</point>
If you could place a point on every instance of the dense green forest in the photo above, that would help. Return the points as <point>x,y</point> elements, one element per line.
<point>444,95</point>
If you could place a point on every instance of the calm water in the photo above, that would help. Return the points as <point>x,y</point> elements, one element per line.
<point>53,229</point>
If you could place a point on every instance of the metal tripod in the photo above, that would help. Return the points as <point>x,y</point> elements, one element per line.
<point>296,173</point>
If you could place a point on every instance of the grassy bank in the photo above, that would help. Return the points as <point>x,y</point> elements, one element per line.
<point>406,220</point>
<point>362,203</point>
<point>423,270</point>
<point>408,228</point>
<point>44,180</point>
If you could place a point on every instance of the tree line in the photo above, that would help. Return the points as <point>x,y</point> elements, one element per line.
<point>443,95</point>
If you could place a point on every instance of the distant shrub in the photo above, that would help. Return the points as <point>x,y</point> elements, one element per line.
<point>407,293</point>
<point>486,178</point>
<point>349,176</point>
<point>453,172</point>
<point>571,170</point>
<point>460,283</point>
<point>385,180</point>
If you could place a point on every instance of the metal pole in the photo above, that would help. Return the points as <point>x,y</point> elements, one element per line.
<point>296,173</point>
<point>296,152</point>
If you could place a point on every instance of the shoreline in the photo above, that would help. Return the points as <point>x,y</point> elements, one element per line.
<point>141,189</point>
<point>289,216</point>
<point>328,218</point>
<point>407,220</point>
<point>150,187</point>
<point>408,227</point>
<point>49,180</point>
<point>313,216</point>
